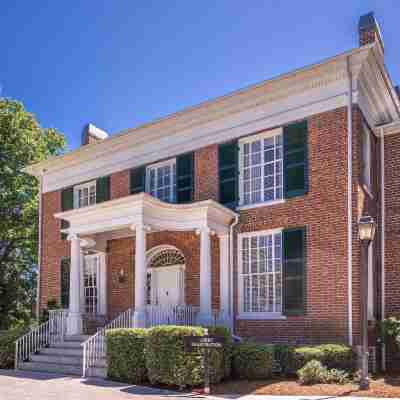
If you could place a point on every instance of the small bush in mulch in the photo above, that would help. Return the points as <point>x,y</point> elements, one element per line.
<point>314,372</point>
<point>332,356</point>
<point>253,361</point>
<point>125,355</point>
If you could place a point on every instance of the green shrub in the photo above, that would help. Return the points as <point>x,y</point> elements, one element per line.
<point>226,367</point>
<point>168,363</point>
<point>125,355</point>
<point>7,347</point>
<point>330,355</point>
<point>253,361</point>
<point>313,372</point>
<point>338,376</point>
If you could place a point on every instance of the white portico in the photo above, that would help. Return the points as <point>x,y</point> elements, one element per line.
<point>137,215</point>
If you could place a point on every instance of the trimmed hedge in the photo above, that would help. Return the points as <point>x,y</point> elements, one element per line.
<point>330,355</point>
<point>7,347</point>
<point>125,355</point>
<point>226,367</point>
<point>167,362</point>
<point>253,361</point>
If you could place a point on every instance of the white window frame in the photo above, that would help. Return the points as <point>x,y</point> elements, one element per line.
<point>82,186</point>
<point>97,273</point>
<point>256,315</point>
<point>367,157</point>
<point>171,162</point>
<point>250,139</point>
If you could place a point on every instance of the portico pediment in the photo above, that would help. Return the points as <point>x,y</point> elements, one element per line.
<point>145,210</point>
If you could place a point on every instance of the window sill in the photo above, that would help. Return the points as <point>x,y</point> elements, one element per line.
<point>261,316</point>
<point>263,204</point>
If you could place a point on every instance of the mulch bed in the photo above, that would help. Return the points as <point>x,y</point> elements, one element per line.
<point>380,386</point>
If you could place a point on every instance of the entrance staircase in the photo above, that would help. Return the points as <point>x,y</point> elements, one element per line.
<point>65,357</point>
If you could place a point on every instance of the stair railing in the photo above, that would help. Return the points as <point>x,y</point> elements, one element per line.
<point>94,347</point>
<point>47,333</point>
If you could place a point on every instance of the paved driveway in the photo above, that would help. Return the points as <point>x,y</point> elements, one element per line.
<point>24,385</point>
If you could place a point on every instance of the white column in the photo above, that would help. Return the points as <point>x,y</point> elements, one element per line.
<point>74,321</point>
<point>224,279</point>
<point>205,315</point>
<point>102,284</point>
<point>139,317</point>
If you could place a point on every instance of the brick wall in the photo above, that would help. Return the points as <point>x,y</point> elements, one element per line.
<point>53,249</point>
<point>323,210</point>
<point>206,173</point>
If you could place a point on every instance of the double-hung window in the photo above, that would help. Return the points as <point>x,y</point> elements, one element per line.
<point>161,180</point>
<point>260,273</point>
<point>85,194</point>
<point>261,168</point>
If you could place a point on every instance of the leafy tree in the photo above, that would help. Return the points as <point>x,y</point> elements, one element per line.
<point>22,142</point>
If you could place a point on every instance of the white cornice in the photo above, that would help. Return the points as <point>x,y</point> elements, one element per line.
<point>311,90</point>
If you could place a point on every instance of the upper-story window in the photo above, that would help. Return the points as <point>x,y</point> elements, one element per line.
<point>161,180</point>
<point>261,168</point>
<point>85,194</point>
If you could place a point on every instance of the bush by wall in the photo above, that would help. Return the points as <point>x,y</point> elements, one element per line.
<point>7,347</point>
<point>253,361</point>
<point>168,363</point>
<point>330,355</point>
<point>226,367</point>
<point>125,355</point>
<point>314,372</point>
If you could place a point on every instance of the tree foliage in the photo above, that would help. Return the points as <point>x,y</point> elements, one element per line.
<point>22,142</point>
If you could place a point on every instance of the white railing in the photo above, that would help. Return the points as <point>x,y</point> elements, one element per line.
<point>94,348</point>
<point>171,315</point>
<point>51,331</point>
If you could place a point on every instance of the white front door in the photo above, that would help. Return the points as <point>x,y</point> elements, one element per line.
<point>167,285</point>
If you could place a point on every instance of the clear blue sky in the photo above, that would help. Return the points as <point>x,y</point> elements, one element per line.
<point>120,63</point>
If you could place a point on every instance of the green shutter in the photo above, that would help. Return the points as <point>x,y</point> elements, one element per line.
<point>184,178</point>
<point>137,180</point>
<point>228,171</point>
<point>295,159</point>
<point>67,203</point>
<point>102,189</point>
<point>294,271</point>
<point>64,282</point>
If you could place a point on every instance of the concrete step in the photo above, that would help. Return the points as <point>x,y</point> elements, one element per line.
<point>51,367</point>
<point>97,372</point>
<point>66,345</point>
<point>76,338</point>
<point>62,351</point>
<point>57,359</point>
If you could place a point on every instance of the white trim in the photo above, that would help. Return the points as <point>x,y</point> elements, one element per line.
<point>383,216</point>
<point>262,204</point>
<point>262,135</point>
<point>349,204</point>
<point>40,230</point>
<point>256,315</point>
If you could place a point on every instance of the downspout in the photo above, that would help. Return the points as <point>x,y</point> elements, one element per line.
<point>39,263</point>
<point>349,203</point>
<point>382,148</point>
<point>232,226</point>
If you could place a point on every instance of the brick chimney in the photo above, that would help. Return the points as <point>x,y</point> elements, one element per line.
<point>91,134</point>
<point>369,31</point>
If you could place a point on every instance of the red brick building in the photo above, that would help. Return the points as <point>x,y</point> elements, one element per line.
<point>241,211</point>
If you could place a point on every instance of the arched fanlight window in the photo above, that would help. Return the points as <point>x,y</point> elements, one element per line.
<point>165,257</point>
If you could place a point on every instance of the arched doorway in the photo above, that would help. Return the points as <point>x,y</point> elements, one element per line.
<point>166,276</point>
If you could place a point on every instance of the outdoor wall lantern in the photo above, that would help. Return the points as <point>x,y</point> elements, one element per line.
<point>122,276</point>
